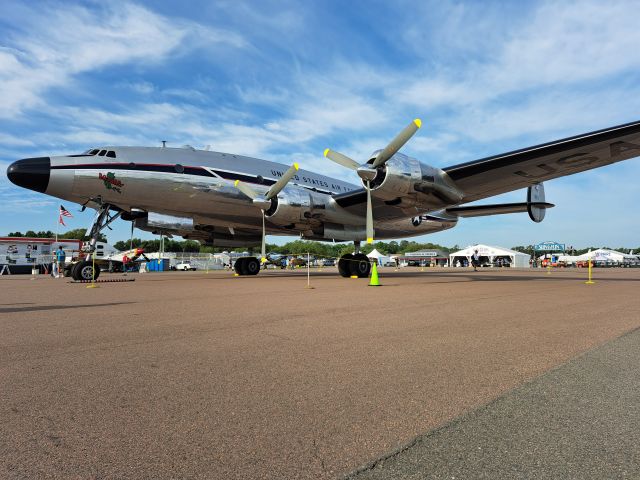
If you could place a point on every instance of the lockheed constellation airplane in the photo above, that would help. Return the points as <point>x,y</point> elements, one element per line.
<point>231,200</point>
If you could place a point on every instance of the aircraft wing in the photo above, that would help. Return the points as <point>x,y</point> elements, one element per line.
<point>355,202</point>
<point>519,169</point>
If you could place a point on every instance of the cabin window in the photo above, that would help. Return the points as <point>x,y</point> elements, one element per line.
<point>111,154</point>
<point>178,168</point>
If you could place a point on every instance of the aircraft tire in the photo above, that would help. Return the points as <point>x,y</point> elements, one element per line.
<point>251,266</point>
<point>74,271</point>
<point>238,266</point>
<point>344,265</point>
<point>360,266</point>
<point>85,271</point>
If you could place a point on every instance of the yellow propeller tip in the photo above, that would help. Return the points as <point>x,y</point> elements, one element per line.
<point>418,122</point>
<point>326,152</point>
<point>297,167</point>
<point>235,184</point>
<point>369,240</point>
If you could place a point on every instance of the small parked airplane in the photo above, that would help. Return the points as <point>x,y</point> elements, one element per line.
<point>231,200</point>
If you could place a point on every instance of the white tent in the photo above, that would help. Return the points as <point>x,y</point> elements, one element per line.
<point>605,255</point>
<point>379,257</point>
<point>491,255</point>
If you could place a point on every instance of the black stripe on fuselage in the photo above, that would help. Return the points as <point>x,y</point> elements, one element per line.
<point>180,169</point>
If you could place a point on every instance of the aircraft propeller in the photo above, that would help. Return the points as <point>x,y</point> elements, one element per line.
<point>263,202</point>
<point>368,171</point>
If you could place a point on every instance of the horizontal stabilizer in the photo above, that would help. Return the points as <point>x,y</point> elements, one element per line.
<point>496,209</point>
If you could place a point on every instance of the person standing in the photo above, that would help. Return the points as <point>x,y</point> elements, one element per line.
<point>475,260</point>
<point>54,267</point>
<point>60,258</point>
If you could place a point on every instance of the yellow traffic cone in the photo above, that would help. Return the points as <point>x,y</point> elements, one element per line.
<point>374,276</point>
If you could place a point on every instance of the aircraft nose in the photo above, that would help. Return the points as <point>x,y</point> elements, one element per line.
<point>31,173</point>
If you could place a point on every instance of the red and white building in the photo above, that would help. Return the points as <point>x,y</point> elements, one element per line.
<point>22,254</point>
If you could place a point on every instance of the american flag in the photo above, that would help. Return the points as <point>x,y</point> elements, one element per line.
<point>64,213</point>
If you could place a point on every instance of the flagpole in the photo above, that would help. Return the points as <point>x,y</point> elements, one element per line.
<point>58,225</point>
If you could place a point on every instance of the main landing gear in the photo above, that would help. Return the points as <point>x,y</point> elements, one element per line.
<point>83,270</point>
<point>247,266</point>
<point>354,264</point>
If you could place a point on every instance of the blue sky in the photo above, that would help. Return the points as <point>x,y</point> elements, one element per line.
<point>285,80</point>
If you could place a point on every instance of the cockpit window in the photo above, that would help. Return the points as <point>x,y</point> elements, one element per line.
<point>102,153</point>
<point>111,154</point>
<point>94,151</point>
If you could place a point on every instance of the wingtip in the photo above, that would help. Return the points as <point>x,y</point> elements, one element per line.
<point>418,122</point>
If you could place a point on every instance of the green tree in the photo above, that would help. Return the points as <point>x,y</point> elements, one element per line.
<point>79,233</point>
<point>121,245</point>
<point>32,233</point>
<point>295,247</point>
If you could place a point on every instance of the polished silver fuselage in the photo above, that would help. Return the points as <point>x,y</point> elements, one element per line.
<point>189,183</point>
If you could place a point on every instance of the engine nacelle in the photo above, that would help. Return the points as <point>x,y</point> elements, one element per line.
<point>340,232</point>
<point>227,240</point>
<point>293,206</point>
<point>414,184</point>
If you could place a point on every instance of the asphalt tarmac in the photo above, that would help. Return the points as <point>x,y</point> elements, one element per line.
<point>579,421</point>
<point>206,375</point>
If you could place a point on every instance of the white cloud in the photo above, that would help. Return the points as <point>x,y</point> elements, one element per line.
<point>15,141</point>
<point>560,44</point>
<point>143,88</point>
<point>54,44</point>
<point>189,94</point>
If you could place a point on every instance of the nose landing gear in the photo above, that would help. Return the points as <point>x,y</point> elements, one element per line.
<point>84,269</point>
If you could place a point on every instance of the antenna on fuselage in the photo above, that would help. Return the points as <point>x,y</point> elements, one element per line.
<point>164,143</point>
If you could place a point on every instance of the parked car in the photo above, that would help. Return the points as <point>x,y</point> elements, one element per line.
<point>297,262</point>
<point>184,266</point>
